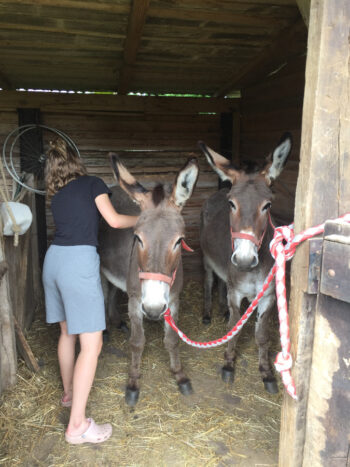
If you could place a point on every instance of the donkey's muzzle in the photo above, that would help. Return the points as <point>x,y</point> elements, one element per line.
<point>154,313</point>
<point>246,263</point>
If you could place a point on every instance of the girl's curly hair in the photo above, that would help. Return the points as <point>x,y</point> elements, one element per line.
<point>62,166</point>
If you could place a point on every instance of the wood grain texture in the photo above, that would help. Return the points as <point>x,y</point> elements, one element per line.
<point>322,193</point>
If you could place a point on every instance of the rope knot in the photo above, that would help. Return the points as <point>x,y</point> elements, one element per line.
<point>282,242</point>
<point>283,362</point>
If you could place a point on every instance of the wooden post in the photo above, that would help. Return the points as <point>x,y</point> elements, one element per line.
<point>8,355</point>
<point>323,192</point>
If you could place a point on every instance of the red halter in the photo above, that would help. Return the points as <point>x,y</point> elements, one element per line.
<point>250,237</point>
<point>158,276</point>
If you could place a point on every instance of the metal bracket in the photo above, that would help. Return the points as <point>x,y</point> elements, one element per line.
<point>315,257</point>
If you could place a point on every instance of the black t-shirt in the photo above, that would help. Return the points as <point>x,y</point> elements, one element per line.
<point>75,212</point>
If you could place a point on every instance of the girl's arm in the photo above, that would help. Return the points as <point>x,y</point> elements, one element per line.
<point>110,215</point>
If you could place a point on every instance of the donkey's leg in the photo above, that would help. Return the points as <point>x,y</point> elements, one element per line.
<point>171,343</point>
<point>222,289</point>
<point>137,344</point>
<point>208,287</point>
<point>227,372</point>
<point>114,310</point>
<point>234,300</point>
<point>262,338</point>
<point>105,288</point>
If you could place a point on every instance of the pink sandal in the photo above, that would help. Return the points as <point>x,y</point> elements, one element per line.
<point>94,434</point>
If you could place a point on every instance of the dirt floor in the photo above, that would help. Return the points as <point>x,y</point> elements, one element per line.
<point>219,425</point>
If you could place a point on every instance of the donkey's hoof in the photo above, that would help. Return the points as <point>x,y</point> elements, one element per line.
<point>132,396</point>
<point>270,385</point>
<point>185,387</point>
<point>227,374</point>
<point>206,320</point>
<point>105,336</point>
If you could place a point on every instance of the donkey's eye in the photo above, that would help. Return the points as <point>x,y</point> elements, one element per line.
<point>138,239</point>
<point>178,242</point>
<point>232,204</point>
<point>266,207</point>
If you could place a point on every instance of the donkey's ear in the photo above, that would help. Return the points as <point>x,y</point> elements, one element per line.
<point>278,158</point>
<point>185,182</point>
<point>220,164</point>
<point>129,184</point>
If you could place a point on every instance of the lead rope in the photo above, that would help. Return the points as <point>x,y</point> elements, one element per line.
<point>282,248</point>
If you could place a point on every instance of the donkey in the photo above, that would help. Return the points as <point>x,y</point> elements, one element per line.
<point>236,229</point>
<point>146,262</point>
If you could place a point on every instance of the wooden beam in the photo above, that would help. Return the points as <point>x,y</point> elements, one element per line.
<point>304,7</point>
<point>217,16</point>
<point>266,60</point>
<point>323,192</point>
<point>137,19</point>
<point>112,7</point>
<point>8,354</point>
<point>73,103</point>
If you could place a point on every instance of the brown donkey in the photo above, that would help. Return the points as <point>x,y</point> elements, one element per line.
<point>236,229</point>
<point>146,262</point>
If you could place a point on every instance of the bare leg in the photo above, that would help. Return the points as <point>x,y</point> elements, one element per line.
<point>84,373</point>
<point>66,358</point>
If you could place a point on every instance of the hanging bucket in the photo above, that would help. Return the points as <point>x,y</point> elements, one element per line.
<point>22,215</point>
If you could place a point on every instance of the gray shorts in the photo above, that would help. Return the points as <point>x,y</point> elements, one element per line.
<point>73,291</point>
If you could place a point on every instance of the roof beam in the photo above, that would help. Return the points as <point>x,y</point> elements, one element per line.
<point>267,60</point>
<point>137,19</point>
<point>220,16</point>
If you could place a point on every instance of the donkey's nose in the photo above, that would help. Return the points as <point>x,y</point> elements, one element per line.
<point>154,313</point>
<point>244,263</point>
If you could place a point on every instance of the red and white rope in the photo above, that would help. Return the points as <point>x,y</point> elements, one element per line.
<point>282,248</point>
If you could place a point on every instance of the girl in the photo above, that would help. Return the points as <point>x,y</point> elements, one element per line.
<point>71,277</point>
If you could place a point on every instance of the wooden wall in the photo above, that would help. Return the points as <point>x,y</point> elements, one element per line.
<point>153,148</point>
<point>154,138</point>
<point>268,109</point>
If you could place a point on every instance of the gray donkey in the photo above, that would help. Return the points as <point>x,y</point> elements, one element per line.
<point>146,262</point>
<point>236,229</point>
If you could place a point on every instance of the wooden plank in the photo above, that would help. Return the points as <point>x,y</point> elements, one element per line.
<point>24,349</point>
<point>328,418</point>
<point>217,16</point>
<point>110,7</point>
<point>265,59</point>
<point>8,355</point>
<point>322,193</point>
<point>57,102</point>
<point>136,24</point>
<point>335,277</point>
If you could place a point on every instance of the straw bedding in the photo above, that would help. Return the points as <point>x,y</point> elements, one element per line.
<point>219,425</point>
